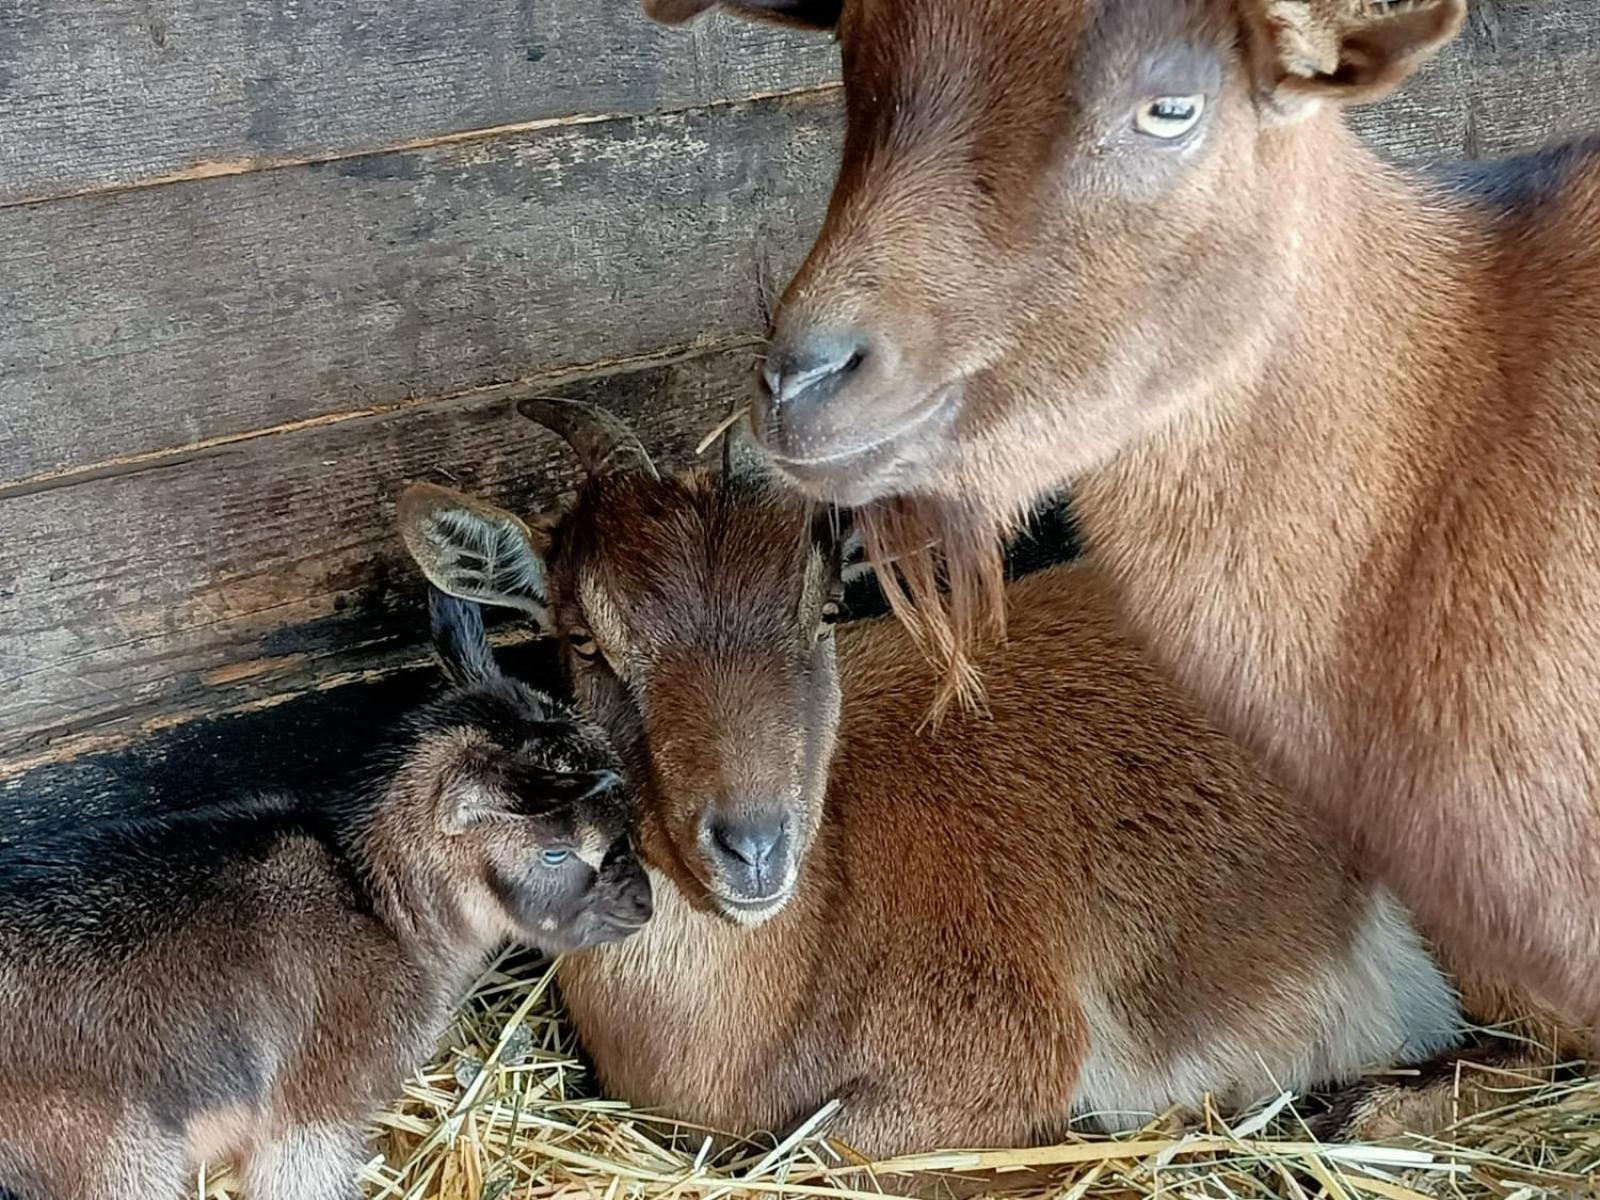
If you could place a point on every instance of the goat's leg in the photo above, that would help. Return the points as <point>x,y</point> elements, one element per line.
<point>307,1162</point>
<point>887,1118</point>
<point>58,1146</point>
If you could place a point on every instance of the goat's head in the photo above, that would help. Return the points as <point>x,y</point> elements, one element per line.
<point>519,800</point>
<point>1057,224</point>
<point>696,617</point>
<point>1054,220</point>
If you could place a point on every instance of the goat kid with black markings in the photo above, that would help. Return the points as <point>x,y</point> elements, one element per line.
<point>1087,902</point>
<point>255,978</point>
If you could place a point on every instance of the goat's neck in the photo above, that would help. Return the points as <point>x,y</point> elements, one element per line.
<point>689,969</point>
<point>420,900</point>
<point>1247,531</point>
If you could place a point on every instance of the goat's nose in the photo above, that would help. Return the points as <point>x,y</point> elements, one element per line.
<point>812,365</point>
<point>754,843</point>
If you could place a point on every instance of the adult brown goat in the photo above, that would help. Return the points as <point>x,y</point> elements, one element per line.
<point>1333,427</point>
<point>1086,902</point>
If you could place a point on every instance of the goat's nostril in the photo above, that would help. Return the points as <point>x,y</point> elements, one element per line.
<point>751,842</point>
<point>814,366</point>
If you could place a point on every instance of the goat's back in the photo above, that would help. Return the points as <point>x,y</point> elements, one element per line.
<point>181,965</point>
<point>1090,833</point>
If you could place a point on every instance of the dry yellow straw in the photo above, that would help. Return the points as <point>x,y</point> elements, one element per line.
<point>728,423</point>
<point>505,1112</point>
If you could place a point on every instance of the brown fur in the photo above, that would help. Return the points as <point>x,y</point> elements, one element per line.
<point>1083,900</point>
<point>256,978</point>
<point>1333,427</point>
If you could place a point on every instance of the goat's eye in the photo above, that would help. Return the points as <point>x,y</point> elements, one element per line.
<point>831,612</point>
<point>1170,117</point>
<point>554,858</point>
<point>583,644</point>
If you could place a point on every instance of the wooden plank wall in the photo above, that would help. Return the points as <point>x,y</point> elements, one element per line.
<point>265,260</point>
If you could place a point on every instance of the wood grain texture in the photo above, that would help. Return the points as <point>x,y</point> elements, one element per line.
<point>98,93</point>
<point>173,316</point>
<point>169,316</point>
<point>255,570</point>
<point>1522,75</point>
<point>106,93</point>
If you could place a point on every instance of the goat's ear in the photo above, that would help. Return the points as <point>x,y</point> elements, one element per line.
<point>460,640</point>
<point>1312,52</point>
<point>808,14</point>
<point>473,550</point>
<point>470,801</point>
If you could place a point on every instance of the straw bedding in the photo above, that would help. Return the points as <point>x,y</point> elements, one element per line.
<point>506,1111</point>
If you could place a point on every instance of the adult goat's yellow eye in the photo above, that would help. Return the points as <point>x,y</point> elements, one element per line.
<point>583,644</point>
<point>1170,117</point>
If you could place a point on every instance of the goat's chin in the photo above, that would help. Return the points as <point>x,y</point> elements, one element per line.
<point>879,464</point>
<point>748,915</point>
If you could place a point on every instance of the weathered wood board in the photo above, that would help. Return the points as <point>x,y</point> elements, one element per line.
<point>1523,74</point>
<point>104,95</point>
<point>107,93</point>
<point>165,317</point>
<point>250,569</point>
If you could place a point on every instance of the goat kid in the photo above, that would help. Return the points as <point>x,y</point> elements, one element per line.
<point>255,978</point>
<point>1086,903</point>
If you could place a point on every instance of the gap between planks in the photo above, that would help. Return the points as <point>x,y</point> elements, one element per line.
<point>228,693</point>
<point>246,166</point>
<point>152,460</point>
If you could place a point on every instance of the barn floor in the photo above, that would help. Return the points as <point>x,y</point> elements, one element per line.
<point>507,1111</point>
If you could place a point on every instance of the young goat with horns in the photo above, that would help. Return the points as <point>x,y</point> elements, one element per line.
<point>1085,903</point>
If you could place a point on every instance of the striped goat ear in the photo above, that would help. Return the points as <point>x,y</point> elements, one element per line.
<point>808,14</point>
<point>472,550</point>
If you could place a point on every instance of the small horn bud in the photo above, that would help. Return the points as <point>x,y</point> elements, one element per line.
<point>602,441</point>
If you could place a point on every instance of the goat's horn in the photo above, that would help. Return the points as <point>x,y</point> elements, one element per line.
<point>741,457</point>
<point>602,441</point>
